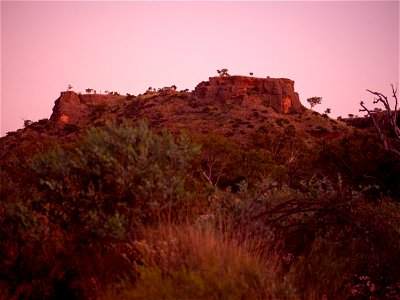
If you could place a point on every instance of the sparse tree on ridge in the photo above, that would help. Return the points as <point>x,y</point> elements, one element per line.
<point>223,72</point>
<point>327,111</point>
<point>314,101</point>
<point>26,122</point>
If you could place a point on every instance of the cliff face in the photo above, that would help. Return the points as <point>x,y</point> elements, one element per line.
<point>277,93</point>
<point>73,108</point>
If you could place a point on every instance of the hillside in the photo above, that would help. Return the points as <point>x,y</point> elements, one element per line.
<point>231,191</point>
<point>233,106</point>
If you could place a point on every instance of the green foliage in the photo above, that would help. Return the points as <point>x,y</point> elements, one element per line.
<point>282,121</point>
<point>27,123</point>
<point>362,161</point>
<point>129,96</point>
<point>252,91</point>
<point>71,128</point>
<point>257,164</point>
<point>120,172</point>
<point>314,101</point>
<point>219,160</point>
<point>289,152</point>
<point>80,201</point>
<point>223,72</point>
<point>29,246</point>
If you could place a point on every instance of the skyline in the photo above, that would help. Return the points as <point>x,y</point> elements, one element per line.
<point>334,50</point>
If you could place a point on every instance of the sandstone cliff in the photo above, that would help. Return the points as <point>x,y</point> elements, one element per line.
<point>73,108</point>
<point>277,93</point>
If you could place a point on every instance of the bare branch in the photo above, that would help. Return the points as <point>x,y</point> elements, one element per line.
<point>391,117</point>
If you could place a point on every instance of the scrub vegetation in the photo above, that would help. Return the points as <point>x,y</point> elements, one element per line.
<point>122,210</point>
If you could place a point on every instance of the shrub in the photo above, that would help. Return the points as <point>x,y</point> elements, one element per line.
<point>219,160</point>
<point>282,121</point>
<point>71,128</point>
<point>64,228</point>
<point>206,110</point>
<point>252,91</point>
<point>360,159</point>
<point>116,178</point>
<point>30,247</point>
<point>327,235</point>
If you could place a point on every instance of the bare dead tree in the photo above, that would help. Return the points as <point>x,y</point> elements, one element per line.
<point>213,166</point>
<point>389,115</point>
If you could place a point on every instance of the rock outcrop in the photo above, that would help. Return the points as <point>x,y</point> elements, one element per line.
<point>73,108</point>
<point>253,93</point>
<point>277,93</point>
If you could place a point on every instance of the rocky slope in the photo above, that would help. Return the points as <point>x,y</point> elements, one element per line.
<point>232,106</point>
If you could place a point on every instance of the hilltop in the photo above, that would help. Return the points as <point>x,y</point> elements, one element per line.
<point>232,106</point>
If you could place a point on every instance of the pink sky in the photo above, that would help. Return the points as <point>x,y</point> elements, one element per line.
<point>335,50</point>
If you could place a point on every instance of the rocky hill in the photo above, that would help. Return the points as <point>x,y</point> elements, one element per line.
<point>229,105</point>
<point>232,106</point>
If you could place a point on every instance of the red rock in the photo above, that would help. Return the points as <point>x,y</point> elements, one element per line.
<point>74,108</point>
<point>275,92</point>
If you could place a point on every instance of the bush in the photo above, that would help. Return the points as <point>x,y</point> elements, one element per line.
<point>71,128</point>
<point>282,121</point>
<point>29,249</point>
<point>116,178</point>
<point>65,227</point>
<point>360,159</point>
<point>327,237</point>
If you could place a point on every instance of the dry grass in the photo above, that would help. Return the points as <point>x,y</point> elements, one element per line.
<point>194,262</point>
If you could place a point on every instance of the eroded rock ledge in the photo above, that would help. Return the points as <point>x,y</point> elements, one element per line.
<point>277,93</point>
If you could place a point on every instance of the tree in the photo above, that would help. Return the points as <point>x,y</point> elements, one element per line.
<point>389,115</point>
<point>223,72</point>
<point>26,122</point>
<point>89,91</point>
<point>327,111</point>
<point>218,159</point>
<point>69,87</point>
<point>314,101</point>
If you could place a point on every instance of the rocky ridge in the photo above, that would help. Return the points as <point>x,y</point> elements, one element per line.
<point>278,94</point>
<point>235,107</point>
